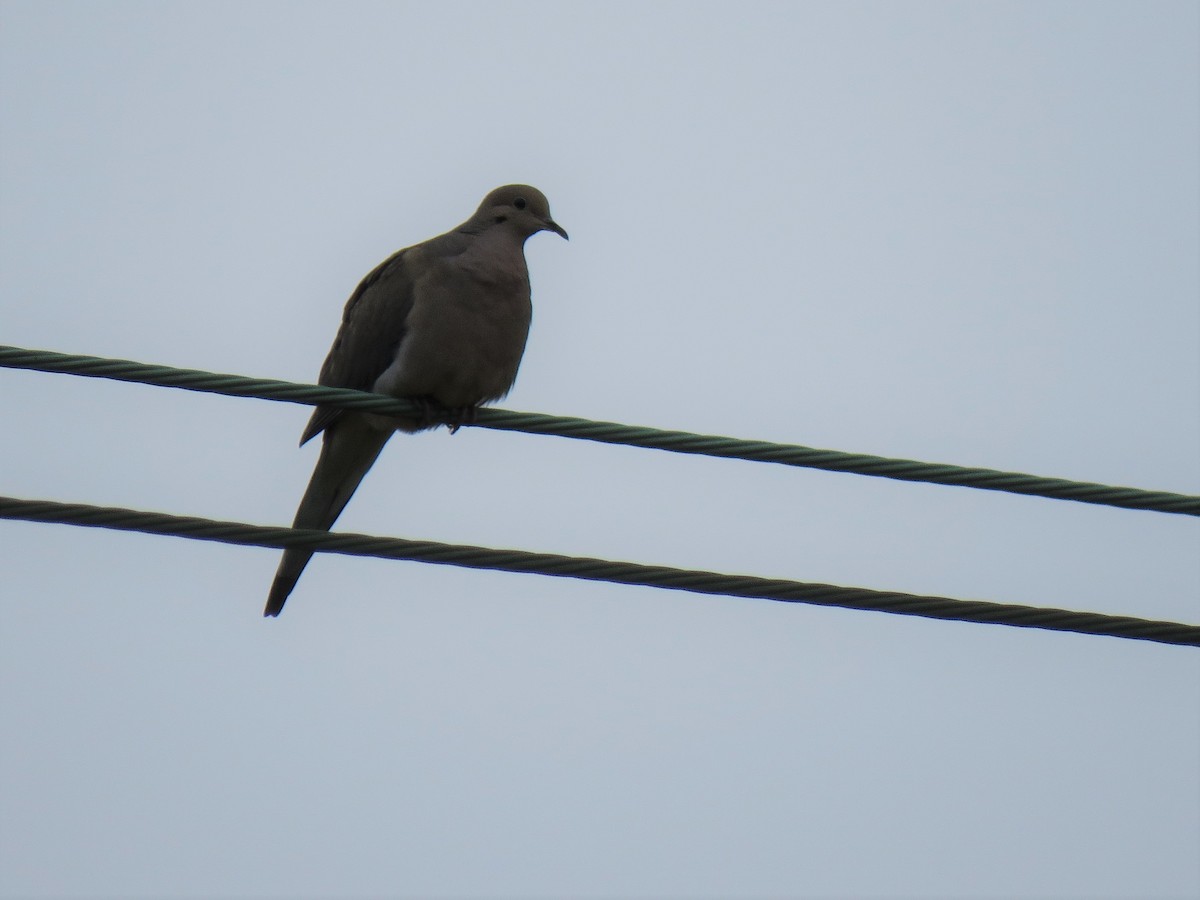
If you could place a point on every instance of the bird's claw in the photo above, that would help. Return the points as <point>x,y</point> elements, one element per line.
<point>460,416</point>
<point>430,412</point>
<point>434,414</point>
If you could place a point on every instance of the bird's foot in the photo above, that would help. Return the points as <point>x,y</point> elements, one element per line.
<point>432,414</point>
<point>461,415</point>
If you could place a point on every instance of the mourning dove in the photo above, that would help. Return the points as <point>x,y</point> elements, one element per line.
<point>444,323</point>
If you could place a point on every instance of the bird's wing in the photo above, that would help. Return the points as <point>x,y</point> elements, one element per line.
<point>373,325</point>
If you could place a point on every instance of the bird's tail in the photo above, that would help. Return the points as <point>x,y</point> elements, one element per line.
<point>348,450</point>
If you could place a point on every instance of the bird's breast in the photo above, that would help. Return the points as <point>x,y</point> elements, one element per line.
<point>464,336</point>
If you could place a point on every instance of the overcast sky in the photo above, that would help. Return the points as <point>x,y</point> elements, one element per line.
<point>957,232</point>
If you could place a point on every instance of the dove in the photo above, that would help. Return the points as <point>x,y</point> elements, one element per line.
<point>443,323</point>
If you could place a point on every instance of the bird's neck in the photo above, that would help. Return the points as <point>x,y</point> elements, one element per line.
<point>496,255</point>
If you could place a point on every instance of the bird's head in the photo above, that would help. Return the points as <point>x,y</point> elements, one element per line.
<point>521,207</point>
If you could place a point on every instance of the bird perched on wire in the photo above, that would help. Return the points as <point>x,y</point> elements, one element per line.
<point>444,323</point>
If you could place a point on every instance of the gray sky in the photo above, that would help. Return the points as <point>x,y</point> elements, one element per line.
<point>955,232</point>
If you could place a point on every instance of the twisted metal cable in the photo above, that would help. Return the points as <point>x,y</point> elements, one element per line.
<point>614,433</point>
<point>591,569</point>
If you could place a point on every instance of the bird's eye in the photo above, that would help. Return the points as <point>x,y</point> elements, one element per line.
<point>519,203</point>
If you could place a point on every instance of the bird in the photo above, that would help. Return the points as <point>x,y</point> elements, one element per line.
<point>444,323</point>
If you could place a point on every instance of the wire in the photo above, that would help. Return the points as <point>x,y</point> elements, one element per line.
<point>603,570</point>
<point>614,433</point>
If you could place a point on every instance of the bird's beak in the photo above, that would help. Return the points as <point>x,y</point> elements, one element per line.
<point>551,225</point>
